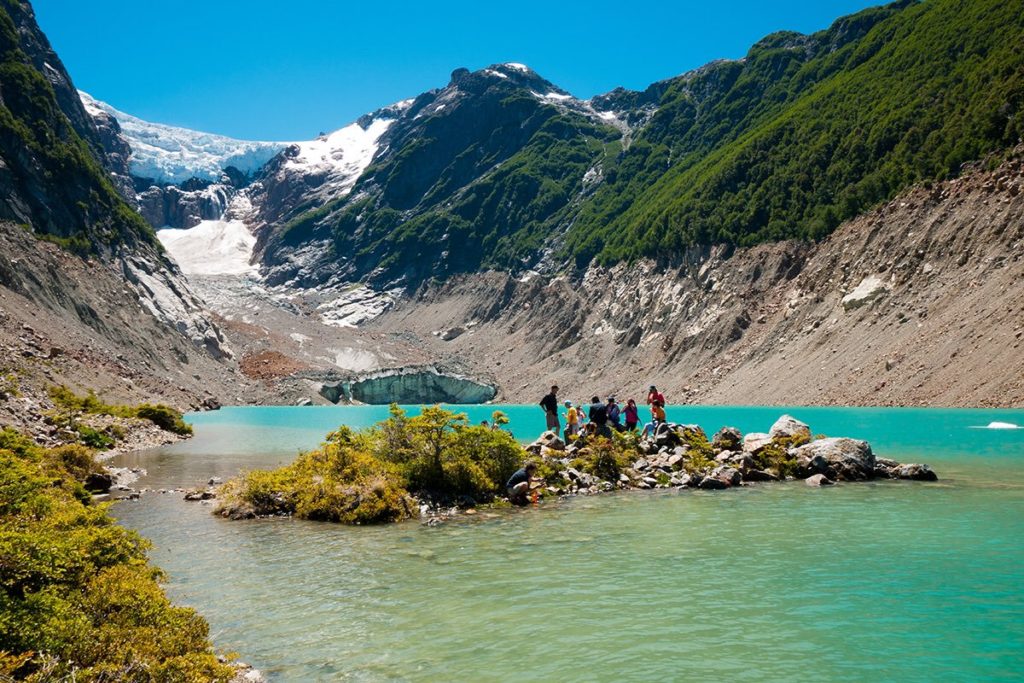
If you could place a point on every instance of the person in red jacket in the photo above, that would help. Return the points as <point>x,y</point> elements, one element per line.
<point>654,396</point>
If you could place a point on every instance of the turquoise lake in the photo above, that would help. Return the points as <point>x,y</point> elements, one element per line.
<point>893,581</point>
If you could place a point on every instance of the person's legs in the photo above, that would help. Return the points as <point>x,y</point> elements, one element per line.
<point>553,424</point>
<point>517,493</point>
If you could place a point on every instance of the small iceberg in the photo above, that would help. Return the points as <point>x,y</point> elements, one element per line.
<point>1000,425</point>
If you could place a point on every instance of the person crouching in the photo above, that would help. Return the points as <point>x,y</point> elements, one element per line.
<point>518,486</point>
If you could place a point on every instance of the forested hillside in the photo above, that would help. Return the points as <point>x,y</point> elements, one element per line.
<point>52,180</point>
<point>809,131</point>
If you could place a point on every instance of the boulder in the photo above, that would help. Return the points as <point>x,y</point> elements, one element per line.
<point>789,427</point>
<point>727,439</point>
<point>641,465</point>
<point>98,482</point>
<point>807,465</point>
<point>847,459</point>
<point>674,461</point>
<point>547,440</point>
<point>712,484</point>
<point>758,475</point>
<point>741,461</point>
<point>691,480</point>
<point>755,442</point>
<point>869,289</point>
<point>916,472</point>
<point>729,476</point>
<point>818,480</point>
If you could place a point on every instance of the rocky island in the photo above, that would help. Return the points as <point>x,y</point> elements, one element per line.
<point>436,464</point>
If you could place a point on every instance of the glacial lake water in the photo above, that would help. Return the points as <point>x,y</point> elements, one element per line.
<point>894,581</point>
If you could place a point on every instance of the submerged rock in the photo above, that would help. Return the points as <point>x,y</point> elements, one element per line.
<point>916,472</point>
<point>818,480</point>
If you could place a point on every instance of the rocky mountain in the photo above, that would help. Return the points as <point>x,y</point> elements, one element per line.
<point>501,169</point>
<point>506,186</point>
<point>87,293</point>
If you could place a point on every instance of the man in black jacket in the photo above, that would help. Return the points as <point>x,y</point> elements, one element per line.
<point>550,405</point>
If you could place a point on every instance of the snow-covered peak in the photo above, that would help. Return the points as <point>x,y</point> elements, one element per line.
<point>343,154</point>
<point>170,154</point>
<point>518,67</point>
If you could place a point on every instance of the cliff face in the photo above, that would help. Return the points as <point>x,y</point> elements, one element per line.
<point>920,302</point>
<point>87,295</point>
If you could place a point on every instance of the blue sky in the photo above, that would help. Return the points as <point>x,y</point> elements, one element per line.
<point>287,70</point>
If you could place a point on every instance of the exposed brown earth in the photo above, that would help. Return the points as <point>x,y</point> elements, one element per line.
<point>269,365</point>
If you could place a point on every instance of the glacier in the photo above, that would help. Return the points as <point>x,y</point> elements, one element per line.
<point>169,154</point>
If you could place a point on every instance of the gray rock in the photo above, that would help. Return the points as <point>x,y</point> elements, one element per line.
<point>869,289</point>
<point>916,472</point>
<point>641,465</point>
<point>755,442</point>
<point>790,427</point>
<point>847,459</point>
<point>215,481</point>
<point>674,460</point>
<point>818,480</point>
<point>729,475</point>
<point>98,482</point>
<point>727,439</point>
<point>712,484</point>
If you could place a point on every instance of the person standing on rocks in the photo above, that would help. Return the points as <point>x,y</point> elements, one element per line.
<point>599,417</point>
<point>572,420</point>
<point>654,396</point>
<point>550,405</point>
<point>632,415</point>
<point>614,414</point>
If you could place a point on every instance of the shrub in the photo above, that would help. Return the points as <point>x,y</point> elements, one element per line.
<point>164,417</point>
<point>366,478</point>
<point>77,599</point>
<point>68,405</point>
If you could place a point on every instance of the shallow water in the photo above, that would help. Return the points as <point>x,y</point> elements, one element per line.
<point>881,581</point>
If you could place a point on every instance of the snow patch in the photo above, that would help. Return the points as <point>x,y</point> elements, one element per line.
<point>518,67</point>
<point>345,153</point>
<point>211,248</point>
<point>356,360</point>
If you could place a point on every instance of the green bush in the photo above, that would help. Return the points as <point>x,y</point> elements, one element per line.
<point>366,478</point>
<point>164,417</point>
<point>68,405</point>
<point>78,600</point>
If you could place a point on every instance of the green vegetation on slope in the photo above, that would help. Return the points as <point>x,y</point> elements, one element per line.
<point>805,132</point>
<point>808,132</point>
<point>77,599</point>
<point>69,405</point>
<point>50,170</point>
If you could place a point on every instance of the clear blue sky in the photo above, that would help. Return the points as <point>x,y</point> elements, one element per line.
<point>288,69</point>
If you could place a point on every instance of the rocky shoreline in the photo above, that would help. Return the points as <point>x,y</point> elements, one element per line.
<point>677,456</point>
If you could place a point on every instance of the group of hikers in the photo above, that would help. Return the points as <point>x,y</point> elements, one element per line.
<point>601,417</point>
<point>596,417</point>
